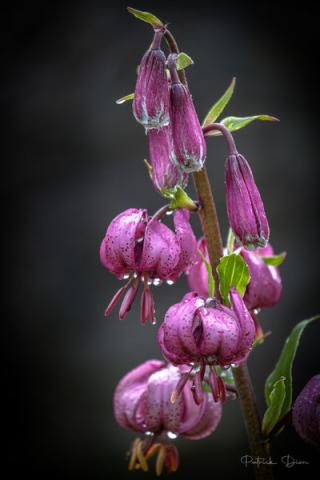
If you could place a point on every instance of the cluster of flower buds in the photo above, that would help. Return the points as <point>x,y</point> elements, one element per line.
<point>142,403</point>
<point>137,247</point>
<point>163,105</point>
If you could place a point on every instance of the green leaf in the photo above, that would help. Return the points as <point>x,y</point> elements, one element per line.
<point>233,272</point>
<point>283,367</point>
<point>220,105</point>
<point>146,17</point>
<point>235,123</point>
<point>125,99</point>
<point>276,400</point>
<point>179,198</point>
<point>230,241</point>
<point>275,260</point>
<point>209,272</point>
<point>183,61</point>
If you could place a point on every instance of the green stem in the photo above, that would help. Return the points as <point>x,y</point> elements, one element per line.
<point>211,230</point>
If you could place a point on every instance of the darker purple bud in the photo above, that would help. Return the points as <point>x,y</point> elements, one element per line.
<point>246,212</point>
<point>306,412</point>
<point>151,96</point>
<point>165,173</point>
<point>188,139</point>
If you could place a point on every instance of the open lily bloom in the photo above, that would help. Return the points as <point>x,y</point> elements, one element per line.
<point>142,403</point>
<point>197,334</point>
<point>306,412</point>
<point>138,247</point>
<point>264,288</point>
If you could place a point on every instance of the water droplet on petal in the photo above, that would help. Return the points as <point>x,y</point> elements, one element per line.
<point>156,282</point>
<point>169,212</point>
<point>170,282</point>
<point>172,435</point>
<point>126,276</point>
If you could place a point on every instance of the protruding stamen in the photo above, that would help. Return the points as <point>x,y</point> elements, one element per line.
<point>133,457</point>
<point>172,458</point>
<point>196,388</point>
<point>129,298</point>
<point>214,385</point>
<point>222,389</point>
<point>160,460</point>
<point>147,303</point>
<point>141,457</point>
<point>180,385</point>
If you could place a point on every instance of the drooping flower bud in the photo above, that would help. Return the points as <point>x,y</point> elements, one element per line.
<point>264,288</point>
<point>151,97</point>
<point>246,212</point>
<point>165,173</point>
<point>306,412</point>
<point>188,139</point>
<point>142,403</point>
<point>137,247</point>
<point>194,333</point>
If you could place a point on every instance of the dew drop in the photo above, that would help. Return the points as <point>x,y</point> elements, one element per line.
<point>169,212</point>
<point>172,435</point>
<point>170,282</point>
<point>126,276</point>
<point>156,282</point>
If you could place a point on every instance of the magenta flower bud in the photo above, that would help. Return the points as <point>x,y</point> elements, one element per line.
<point>194,333</point>
<point>142,403</point>
<point>137,248</point>
<point>151,97</point>
<point>306,412</point>
<point>264,288</point>
<point>188,139</point>
<point>246,212</point>
<point>165,172</point>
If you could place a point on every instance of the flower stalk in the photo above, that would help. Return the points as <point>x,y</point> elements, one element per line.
<point>211,230</point>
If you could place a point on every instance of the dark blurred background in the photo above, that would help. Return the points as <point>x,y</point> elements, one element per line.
<point>74,159</point>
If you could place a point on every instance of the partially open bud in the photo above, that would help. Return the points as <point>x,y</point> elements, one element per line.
<point>151,96</point>
<point>188,139</point>
<point>246,212</point>
<point>165,173</point>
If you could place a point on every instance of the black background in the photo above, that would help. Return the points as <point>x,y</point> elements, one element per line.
<point>73,160</point>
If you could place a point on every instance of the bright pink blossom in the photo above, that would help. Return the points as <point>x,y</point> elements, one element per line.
<point>306,412</point>
<point>195,333</point>
<point>143,403</point>
<point>137,247</point>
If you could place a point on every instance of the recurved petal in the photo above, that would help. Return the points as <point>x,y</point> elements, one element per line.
<point>160,252</point>
<point>306,412</point>
<point>199,420</point>
<point>128,396</point>
<point>186,240</point>
<point>160,413</point>
<point>246,324</point>
<point>117,251</point>
<point>197,273</point>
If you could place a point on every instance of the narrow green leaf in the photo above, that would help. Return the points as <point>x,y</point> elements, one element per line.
<point>183,61</point>
<point>230,241</point>
<point>283,367</point>
<point>209,272</point>
<point>233,272</point>
<point>146,17</point>
<point>125,99</point>
<point>276,400</point>
<point>220,105</point>
<point>235,123</point>
<point>275,260</point>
